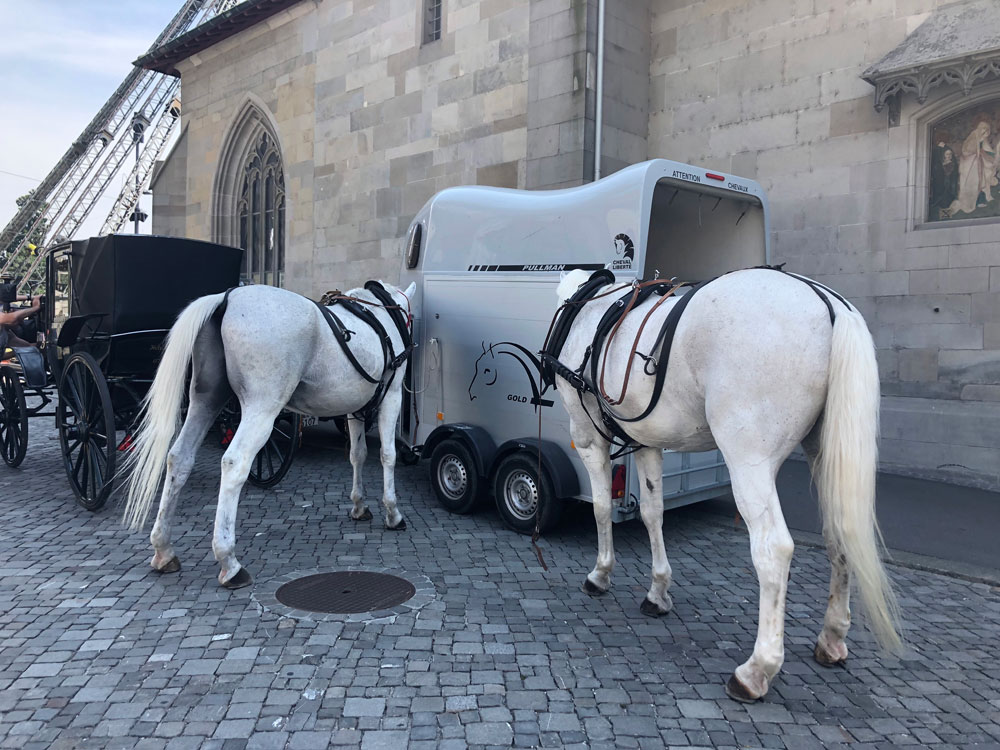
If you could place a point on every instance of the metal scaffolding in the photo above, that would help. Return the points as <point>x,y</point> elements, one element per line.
<point>145,106</point>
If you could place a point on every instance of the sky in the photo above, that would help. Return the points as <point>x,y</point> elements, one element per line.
<point>60,61</point>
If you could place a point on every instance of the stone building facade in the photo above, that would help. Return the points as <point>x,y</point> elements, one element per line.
<point>371,121</point>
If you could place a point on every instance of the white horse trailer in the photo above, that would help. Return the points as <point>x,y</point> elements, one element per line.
<point>486,262</point>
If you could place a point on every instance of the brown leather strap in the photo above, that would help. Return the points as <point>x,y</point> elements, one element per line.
<point>579,303</point>
<point>635,343</point>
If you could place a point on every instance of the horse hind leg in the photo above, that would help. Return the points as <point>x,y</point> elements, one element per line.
<point>771,548</point>
<point>359,452</point>
<point>208,394</point>
<point>831,646</point>
<point>253,432</point>
<point>388,415</point>
<point>649,462</point>
<point>180,460</point>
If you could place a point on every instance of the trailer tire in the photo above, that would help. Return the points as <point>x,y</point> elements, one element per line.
<point>454,477</point>
<point>520,491</point>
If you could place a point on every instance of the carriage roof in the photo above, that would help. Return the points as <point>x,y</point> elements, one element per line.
<point>467,228</point>
<point>142,282</point>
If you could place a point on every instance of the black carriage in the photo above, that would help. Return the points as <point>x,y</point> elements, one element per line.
<point>108,305</point>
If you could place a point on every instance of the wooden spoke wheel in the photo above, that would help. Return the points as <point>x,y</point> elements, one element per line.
<point>13,418</point>
<point>274,460</point>
<point>86,422</point>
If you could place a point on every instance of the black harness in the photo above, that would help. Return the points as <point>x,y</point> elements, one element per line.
<point>655,365</point>
<point>391,361</point>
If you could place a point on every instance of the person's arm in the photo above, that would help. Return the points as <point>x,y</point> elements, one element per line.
<point>12,318</point>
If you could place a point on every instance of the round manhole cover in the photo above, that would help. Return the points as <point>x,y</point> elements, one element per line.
<point>345,592</point>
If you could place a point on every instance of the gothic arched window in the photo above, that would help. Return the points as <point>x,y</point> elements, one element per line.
<point>261,211</point>
<point>249,196</point>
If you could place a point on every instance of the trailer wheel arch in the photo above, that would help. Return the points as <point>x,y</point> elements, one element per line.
<point>565,482</point>
<point>476,439</point>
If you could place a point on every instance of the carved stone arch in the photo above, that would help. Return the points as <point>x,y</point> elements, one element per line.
<point>249,208</point>
<point>925,123</point>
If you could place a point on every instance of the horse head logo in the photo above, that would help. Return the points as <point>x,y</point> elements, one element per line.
<point>487,371</point>
<point>624,246</point>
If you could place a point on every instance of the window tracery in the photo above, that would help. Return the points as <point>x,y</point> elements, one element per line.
<point>261,211</point>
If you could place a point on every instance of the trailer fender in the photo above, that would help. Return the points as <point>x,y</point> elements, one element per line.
<point>560,469</point>
<point>476,439</point>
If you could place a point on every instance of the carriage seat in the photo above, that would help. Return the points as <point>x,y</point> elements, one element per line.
<point>32,364</point>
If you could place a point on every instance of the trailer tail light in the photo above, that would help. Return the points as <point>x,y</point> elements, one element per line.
<point>440,417</point>
<point>714,176</point>
<point>618,481</point>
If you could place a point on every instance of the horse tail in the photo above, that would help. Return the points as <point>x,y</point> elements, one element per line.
<point>846,467</point>
<point>159,417</point>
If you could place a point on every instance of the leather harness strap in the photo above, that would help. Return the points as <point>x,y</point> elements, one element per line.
<point>343,334</point>
<point>655,365</point>
<point>641,293</point>
<point>396,314</point>
<point>390,361</point>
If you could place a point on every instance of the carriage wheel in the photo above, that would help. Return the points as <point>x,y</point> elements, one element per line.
<point>86,422</point>
<point>274,460</point>
<point>13,418</point>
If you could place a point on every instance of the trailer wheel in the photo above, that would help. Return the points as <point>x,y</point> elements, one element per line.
<point>454,477</point>
<point>520,491</point>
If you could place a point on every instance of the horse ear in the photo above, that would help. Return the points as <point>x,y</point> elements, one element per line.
<point>563,275</point>
<point>411,289</point>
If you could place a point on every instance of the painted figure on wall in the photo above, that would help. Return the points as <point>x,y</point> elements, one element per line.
<point>977,171</point>
<point>944,177</point>
<point>965,165</point>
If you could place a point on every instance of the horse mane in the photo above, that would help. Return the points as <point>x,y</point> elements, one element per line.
<point>570,283</point>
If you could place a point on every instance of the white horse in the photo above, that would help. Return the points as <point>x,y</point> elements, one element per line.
<point>274,349</point>
<point>756,369</point>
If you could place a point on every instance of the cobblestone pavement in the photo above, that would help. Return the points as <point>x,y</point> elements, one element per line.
<point>98,651</point>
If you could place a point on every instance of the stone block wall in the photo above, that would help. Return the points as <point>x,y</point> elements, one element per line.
<point>561,101</point>
<point>271,65</point>
<point>771,89</point>
<point>371,122</point>
<point>627,44</point>
<point>169,188</point>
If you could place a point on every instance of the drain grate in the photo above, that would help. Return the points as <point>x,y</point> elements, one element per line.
<point>345,592</point>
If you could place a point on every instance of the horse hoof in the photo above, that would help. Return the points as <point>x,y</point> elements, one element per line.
<point>652,609</point>
<point>824,659</point>
<point>172,566</point>
<point>238,581</point>
<point>366,516</point>
<point>738,691</point>
<point>592,589</point>
<point>401,526</point>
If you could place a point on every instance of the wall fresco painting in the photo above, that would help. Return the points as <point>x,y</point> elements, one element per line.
<point>965,165</point>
